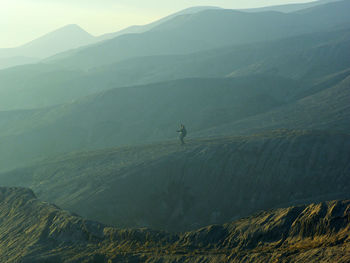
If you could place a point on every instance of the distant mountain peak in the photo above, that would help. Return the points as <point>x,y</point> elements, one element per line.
<point>71,30</point>
<point>70,27</point>
<point>64,38</point>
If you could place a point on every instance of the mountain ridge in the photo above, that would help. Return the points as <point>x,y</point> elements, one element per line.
<point>136,29</point>
<point>33,231</point>
<point>290,7</point>
<point>184,38</point>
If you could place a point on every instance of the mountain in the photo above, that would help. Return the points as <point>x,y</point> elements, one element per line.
<point>144,28</point>
<point>33,231</point>
<point>290,7</point>
<point>308,57</point>
<point>60,40</point>
<point>72,37</point>
<point>43,85</point>
<point>172,187</point>
<point>207,30</point>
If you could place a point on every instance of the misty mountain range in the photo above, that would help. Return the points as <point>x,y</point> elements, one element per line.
<point>264,94</point>
<point>72,36</point>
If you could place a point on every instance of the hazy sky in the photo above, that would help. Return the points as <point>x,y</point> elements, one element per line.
<point>24,20</point>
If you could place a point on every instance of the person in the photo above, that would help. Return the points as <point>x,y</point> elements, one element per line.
<point>182,133</point>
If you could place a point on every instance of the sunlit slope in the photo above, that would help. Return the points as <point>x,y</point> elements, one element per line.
<point>173,187</point>
<point>33,231</point>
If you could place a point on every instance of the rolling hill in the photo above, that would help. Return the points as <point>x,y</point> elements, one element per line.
<point>309,58</point>
<point>207,30</point>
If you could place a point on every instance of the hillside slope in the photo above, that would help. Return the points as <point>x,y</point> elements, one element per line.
<point>166,186</point>
<point>134,115</point>
<point>33,231</point>
<point>328,109</point>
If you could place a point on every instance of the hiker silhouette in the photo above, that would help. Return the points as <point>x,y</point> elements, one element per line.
<point>182,133</point>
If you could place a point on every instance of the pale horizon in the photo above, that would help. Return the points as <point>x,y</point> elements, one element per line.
<point>20,26</point>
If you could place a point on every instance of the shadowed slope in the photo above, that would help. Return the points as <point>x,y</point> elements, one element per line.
<point>329,109</point>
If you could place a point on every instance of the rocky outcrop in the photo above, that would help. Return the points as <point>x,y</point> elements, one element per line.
<point>33,231</point>
<point>170,187</point>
